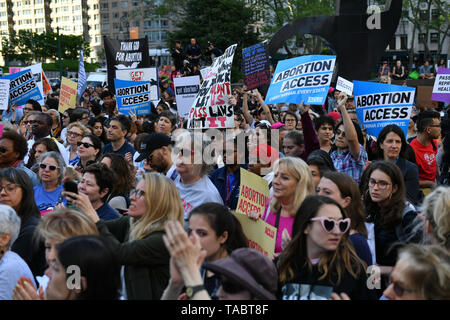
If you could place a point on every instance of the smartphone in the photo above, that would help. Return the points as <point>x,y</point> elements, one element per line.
<point>71,186</point>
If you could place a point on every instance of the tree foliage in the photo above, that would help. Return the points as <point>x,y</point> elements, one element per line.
<point>223,22</point>
<point>26,46</point>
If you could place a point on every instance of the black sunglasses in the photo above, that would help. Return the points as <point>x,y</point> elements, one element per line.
<point>85,144</point>
<point>3,150</point>
<point>45,166</point>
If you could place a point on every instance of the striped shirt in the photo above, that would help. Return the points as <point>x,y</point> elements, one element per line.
<point>345,163</point>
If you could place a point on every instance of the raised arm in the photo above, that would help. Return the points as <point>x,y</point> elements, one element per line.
<point>310,136</point>
<point>349,129</point>
<point>247,115</point>
<point>264,106</point>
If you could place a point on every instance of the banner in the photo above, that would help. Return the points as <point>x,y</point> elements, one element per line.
<point>256,65</point>
<point>23,87</point>
<point>211,108</point>
<point>46,84</point>
<point>304,78</point>
<point>204,72</point>
<point>4,94</point>
<point>378,105</point>
<point>125,54</point>
<point>186,90</point>
<point>344,86</point>
<point>82,82</point>
<point>133,96</point>
<point>67,95</point>
<point>441,88</point>
<point>144,74</point>
<point>261,235</point>
<point>254,193</point>
<point>14,69</point>
<point>36,69</point>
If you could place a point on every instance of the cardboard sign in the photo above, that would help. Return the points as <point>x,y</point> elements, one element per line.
<point>256,65</point>
<point>186,90</point>
<point>4,94</point>
<point>144,74</point>
<point>261,235</point>
<point>22,87</point>
<point>441,88</point>
<point>304,78</point>
<point>378,105</point>
<point>254,193</point>
<point>37,74</point>
<point>67,95</point>
<point>211,108</point>
<point>125,54</point>
<point>133,96</point>
<point>344,86</point>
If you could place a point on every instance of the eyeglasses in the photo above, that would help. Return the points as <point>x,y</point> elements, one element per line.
<point>339,132</point>
<point>85,144</point>
<point>329,225</point>
<point>138,193</point>
<point>289,120</point>
<point>74,134</point>
<point>381,184</point>
<point>399,289</point>
<point>84,118</point>
<point>9,187</point>
<point>3,150</point>
<point>44,166</point>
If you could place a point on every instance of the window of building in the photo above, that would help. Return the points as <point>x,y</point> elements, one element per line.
<point>147,24</point>
<point>98,39</point>
<point>105,27</point>
<point>422,37</point>
<point>136,24</point>
<point>404,42</point>
<point>124,4</point>
<point>423,15</point>
<point>116,15</point>
<point>113,5</point>
<point>39,20</point>
<point>104,6</point>
<point>95,6</point>
<point>115,25</point>
<point>135,3</point>
<point>39,11</point>
<point>434,37</point>
<point>38,1</point>
<point>164,24</point>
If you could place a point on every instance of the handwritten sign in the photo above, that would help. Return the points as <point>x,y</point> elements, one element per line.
<point>254,193</point>
<point>441,88</point>
<point>4,94</point>
<point>261,236</point>
<point>211,108</point>
<point>67,95</point>
<point>256,65</point>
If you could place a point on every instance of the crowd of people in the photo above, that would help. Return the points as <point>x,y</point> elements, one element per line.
<point>129,204</point>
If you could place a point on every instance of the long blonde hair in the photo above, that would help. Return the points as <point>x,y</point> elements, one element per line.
<point>163,202</point>
<point>299,170</point>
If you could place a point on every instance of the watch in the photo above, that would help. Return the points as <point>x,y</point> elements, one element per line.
<point>190,291</point>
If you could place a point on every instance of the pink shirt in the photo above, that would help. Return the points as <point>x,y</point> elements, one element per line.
<point>285,223</point>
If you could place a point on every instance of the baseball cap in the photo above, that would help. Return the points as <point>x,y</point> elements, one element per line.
<point>251,270</point>
<point>152,142</point>
<point>334,115</point>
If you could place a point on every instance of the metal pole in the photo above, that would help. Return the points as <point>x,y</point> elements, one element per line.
<point>59,53</point>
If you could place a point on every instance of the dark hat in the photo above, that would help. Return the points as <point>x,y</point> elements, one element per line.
<point>250,269</point>
<point>152,142</point>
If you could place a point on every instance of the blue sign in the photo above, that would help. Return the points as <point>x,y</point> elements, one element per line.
<point>378,105</point>
<point>22,87</point>
<point>133,96</point>
<point>304,78</point>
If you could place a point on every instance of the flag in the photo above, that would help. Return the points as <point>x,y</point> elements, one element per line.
<point>82,84</point>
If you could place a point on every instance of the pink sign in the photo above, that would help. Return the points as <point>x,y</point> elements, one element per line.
<point>14,69</point>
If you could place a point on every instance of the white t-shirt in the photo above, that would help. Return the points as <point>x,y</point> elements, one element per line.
<point>197,193</point>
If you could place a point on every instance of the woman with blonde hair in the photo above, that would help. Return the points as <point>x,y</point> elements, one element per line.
<point>53,229</point>
<point>292,183</point>
<point>137,237</point>
<point>436,209</point>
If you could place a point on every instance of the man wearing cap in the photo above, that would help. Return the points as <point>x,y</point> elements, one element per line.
<point>157,153</point>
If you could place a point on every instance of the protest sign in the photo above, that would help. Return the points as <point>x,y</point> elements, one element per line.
<point>14,69</point>
<point>344,86</point>
<point>378,105</point>
<point>254,193</point>
<point>261,235</point>
<point>125,54</point>
<point>256,65</point>
<point>204,72</point>
<point>211,108</point>
<point>67,95</point>
<point>36,69</point>
<point>133,96</point>
<point>22,87</point>
<point>304,78</point>
<point>186,90</point>
<point>441,88</point>
<point>143,74</point>
<point>4,94</point>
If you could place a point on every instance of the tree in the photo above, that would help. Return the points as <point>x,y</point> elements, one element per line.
<point>171,9</point>
<point>223,22</point>
<point>281,12</point>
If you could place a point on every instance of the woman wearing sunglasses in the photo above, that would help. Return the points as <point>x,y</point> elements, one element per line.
<point>320,260</point>
<point>51,172</point>
<point>75,133</point>
<point>395,220</point>
<point>89,151</point>
<point>421,273</point>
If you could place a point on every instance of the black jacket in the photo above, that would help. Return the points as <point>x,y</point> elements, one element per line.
<point>410,173</point>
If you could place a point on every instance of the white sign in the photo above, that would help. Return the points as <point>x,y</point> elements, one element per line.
<point>344,86</point>
<point>143,74</point>
<point>4,94</point>
<point>204,72</point>
<point>36,69</point>
<point>186,90</point>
